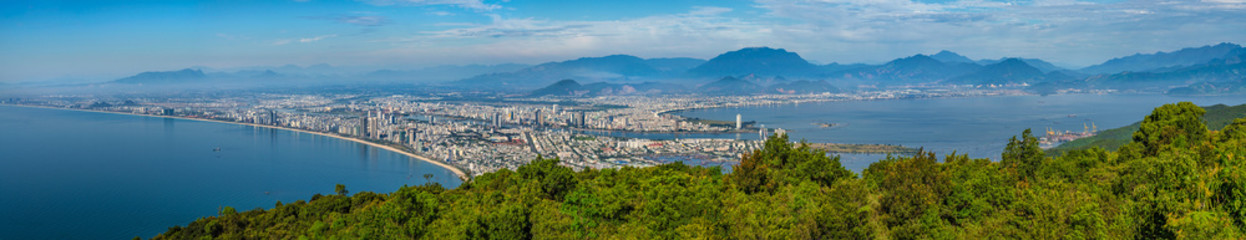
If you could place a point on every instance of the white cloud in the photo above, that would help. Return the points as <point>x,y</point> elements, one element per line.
<point>316,38</point>
<point>280,42</point>
<point>1070,31</point>
<point>1074,32</point>
<point>477,5</point>
<point>364,20</point>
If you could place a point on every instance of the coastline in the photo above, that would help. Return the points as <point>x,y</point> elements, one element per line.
<point>459,172</point>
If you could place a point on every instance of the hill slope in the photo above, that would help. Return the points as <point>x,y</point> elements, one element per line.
<point>1217,117</point>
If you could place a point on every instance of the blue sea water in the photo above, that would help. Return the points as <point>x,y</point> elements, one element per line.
<point>85,175</point>
<point>977,126</point>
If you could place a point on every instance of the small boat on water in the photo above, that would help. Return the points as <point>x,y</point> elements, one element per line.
<point>826,124</point>
<point>218,149</point>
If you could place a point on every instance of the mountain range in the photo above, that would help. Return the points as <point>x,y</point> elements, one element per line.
<point>1162,60</point>
<point>1211,69</point>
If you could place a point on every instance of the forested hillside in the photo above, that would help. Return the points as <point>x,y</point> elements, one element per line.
<point>1176,179</point>
<point>1217,117</point>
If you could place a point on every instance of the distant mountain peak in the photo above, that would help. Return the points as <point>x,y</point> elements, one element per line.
<point>565,87</point>
<point>566,83</point>
<point>730,86</point>
<point>755,60</point>
<point>950,57</point>
<point>1013,62</point>
<point>164,77</point>
<point>1041,65</point>
<point>915,60</point>
<point>1007,71</point>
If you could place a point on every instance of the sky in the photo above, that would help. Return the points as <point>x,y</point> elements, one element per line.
<point>103,40</point>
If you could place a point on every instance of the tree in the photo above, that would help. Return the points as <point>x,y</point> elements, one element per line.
<point>340,190</point>
<point>555,180</point>
<point>1024,156</point>
<point>1178,125</point>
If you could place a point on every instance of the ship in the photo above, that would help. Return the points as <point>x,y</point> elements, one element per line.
<point>1055,138</point>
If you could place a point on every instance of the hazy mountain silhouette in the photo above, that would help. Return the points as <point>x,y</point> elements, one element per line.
<point>730,86</point>
<point>568,87</point>
<point>180,76</point>
<point>608,68</point>
<point>565,87</point>
<point>1217,76</point>
<point>1009,71</point>
<point>946,56</point>
<point>914,69</point>
<point>756,60</point>
<point>1159,60</point>
<point>1042,66</point>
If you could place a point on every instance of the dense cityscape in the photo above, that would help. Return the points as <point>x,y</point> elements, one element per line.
<point>484,136</point>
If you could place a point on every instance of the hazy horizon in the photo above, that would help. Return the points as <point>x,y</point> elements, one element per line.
<point>103,40</point>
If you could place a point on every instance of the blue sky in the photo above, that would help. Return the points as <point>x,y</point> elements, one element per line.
<point>100,40</point>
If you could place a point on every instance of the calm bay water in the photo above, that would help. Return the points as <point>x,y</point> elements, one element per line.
<point>83,175</point>
<point>977,126</point>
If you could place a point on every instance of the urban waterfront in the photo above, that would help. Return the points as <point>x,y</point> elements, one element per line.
<point>86,175</point>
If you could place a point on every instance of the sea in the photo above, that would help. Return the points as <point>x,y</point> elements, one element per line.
<point>88,175</point>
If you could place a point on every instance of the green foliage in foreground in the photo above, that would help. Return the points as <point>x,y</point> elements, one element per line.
<point>1175,179</point>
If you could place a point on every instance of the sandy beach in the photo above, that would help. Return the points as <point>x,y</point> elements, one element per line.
<point>461,174</point>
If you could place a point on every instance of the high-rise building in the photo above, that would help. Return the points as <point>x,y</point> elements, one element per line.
<point>411,139</point>
<point>580,121</point>
<point>738,123</point>
<point>363,127</point>
<point>540,121</point>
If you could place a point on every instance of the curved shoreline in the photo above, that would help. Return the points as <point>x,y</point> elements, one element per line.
<point>461,174</point>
